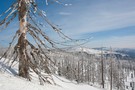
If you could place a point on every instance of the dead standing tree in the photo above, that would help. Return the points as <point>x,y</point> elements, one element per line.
<point>29,56</point>
<point>22,41</point>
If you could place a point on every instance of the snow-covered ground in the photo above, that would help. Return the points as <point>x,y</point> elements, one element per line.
<point>88,50</point>
<point>130,81</point>
<point>96,51</point>
<point>10,81</point>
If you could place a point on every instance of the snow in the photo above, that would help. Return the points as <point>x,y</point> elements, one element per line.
<point>88,50</point>
<point>10,81</point>
<point>130,80</point>
<point>97,52</point>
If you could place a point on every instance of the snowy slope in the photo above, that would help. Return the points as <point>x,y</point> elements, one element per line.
<point>97,51</point>
<point>89,50</point>
<point>10,81</point>
<point>83,49</point>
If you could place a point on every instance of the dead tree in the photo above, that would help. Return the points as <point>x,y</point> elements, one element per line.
<point>111,70</point>
<point>29,56</point>
<point>102,69</point>
<point>22,41</point>
<point>78,76</point>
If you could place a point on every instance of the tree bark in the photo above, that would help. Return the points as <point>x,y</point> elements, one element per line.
<point>102,68</point>
<point>22,42</point>
<point>111,72</point>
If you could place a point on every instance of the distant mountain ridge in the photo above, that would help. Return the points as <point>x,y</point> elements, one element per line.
<point>122,53</point>
<point>128,51</point>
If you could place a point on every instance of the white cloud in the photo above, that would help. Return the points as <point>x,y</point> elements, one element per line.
<point>94,16</point>
<point>64,13</point>
<point>115,42</point>
<point>109,22</point>
<point>100,17</point>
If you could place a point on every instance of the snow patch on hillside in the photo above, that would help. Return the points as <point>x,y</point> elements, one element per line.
<point>10,81</point>
<point>96,51</point>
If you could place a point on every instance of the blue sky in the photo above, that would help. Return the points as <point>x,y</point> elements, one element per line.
<point>107,22</point>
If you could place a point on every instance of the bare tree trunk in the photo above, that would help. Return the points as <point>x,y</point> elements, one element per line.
<point>111,77</point>
<point>82,67</point>
<point>102,68</point>
<point>111,72</point>
<point>88,71</point>
<point>78,80</point>
<point>22,42</point>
